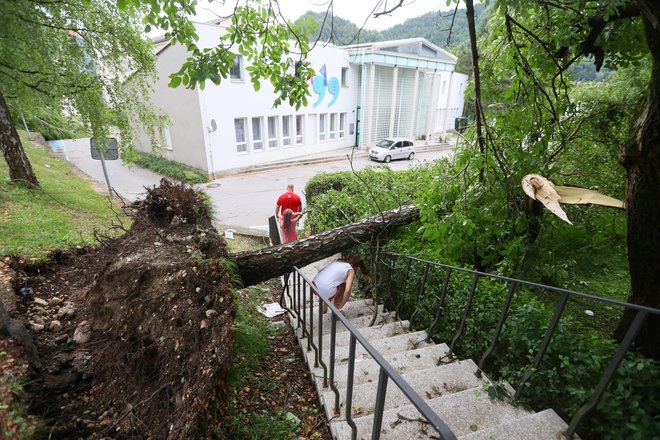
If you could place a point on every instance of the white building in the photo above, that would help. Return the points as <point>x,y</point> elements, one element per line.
<point>230,127</point>
<point>406,88</point>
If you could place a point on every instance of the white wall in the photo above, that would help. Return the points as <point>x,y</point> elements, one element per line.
<point>186,134</point>
<point>237,99</point>
<point>450,100</point>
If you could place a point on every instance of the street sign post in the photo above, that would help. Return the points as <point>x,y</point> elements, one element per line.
<point>101,152</point>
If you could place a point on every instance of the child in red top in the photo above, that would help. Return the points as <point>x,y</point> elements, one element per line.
<point>288,225</point>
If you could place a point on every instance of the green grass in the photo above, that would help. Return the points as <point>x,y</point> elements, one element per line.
<point>63,213</point>
<point>174,170</point>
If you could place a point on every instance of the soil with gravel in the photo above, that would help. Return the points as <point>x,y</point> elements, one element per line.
<point>133,338</point>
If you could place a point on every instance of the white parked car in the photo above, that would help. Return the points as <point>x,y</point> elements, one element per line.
<point>392,148</point>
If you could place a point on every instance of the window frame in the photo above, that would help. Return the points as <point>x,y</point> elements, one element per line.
<point>344,76</point>
<point>244,142</point>
<point>286,130</point>
<point>238,62</point>
<point>299,129</point>
<point>342,125</point>
<point>257,143</point>
<point>322,127</point>
<point>333,127</point>
<point>272,137</point>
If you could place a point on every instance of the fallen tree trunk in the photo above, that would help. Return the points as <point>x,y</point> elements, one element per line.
<point>266,263</point>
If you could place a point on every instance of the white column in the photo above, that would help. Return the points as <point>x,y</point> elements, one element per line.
<point>395,75</point>
<point>413,121</point>
<point>446,110</point>
<point>370,105</point>
<point>433,104</point>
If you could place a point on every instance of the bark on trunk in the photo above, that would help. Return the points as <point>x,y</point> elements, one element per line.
<point>472,28</point>
<point>18,163</point>
<point>641,159</point>
<point>264,264</point>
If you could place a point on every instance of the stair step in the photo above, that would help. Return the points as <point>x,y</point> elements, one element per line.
<point>352,309</point>
<point>371,333</point>
<point>366,370</point>
<point>464,412</point>
<point>438,381</point>
<point>544,425</point>
<point>393,344</point>
<point>359,321</point>
<point>359,315</point>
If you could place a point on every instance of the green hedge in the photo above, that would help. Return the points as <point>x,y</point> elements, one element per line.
<point>168,168</point>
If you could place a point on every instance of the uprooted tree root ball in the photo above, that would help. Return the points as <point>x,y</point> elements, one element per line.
<point>135,336</point>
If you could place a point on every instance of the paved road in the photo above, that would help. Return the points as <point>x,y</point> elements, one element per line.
<point>129,182</point>
<point>245,200</point>
<point>249,199</point>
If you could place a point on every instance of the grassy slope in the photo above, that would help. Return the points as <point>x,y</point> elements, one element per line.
<point>63,213</point>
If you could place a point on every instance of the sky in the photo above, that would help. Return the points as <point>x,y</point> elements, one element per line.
<point>357,11</point>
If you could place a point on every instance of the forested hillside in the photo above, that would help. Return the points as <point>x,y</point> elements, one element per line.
<point>434,26</point>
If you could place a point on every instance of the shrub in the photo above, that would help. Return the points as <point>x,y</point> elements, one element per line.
<point>168,168</point>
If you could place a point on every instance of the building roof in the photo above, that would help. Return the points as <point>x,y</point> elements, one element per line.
<point>410,52</point>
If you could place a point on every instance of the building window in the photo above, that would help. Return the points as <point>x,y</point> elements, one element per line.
<point>239,128</point>
<point>257,138</point>
<point>344,76</point>
<point>286,130</point>
<point>272,132</point>
<point>333,125</point>
<point>236,70</point>
<point>300,120</point>
<point>342,125</point>
<point>167,137</point>
<point>321,127</point>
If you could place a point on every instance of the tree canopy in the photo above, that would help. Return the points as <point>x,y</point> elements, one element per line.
<point>72,58</point>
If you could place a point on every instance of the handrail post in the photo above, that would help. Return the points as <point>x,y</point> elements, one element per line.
<point>304,316</point>
<point>403,288</point>
<point>500,324</point>
<point>333,333</point>
<point>441,303</point>
<point>468,308</point>
<point>325,367</point>
<point>422,284</point>
<point>349,388</point>
<point>296,298</point>
<point>605,380</point>
<point>317,353</point>
<point>380,404</point>
<point>544,345</point>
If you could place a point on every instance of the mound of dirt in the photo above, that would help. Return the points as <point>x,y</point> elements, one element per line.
<point>134,336</point>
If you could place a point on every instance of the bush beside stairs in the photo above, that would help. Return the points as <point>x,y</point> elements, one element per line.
<point>450,387</point>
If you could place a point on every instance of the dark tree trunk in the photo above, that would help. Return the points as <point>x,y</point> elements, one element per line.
<point>641,158</point>
<point>264,264</point>
<point>472,28</point>
<point>18,163</point>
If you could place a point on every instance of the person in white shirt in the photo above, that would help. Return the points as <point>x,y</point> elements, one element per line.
<point>335,281</point>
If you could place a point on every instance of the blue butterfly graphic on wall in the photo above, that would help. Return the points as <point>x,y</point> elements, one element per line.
<point>321,83</point>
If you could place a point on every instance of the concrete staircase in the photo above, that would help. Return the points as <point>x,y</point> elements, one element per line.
<point>449,386</point>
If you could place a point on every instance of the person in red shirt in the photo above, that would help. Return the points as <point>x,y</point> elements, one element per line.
<point>288,200</point>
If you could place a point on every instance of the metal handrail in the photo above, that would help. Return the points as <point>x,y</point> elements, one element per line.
<point>386,373</point>
<point>641,315</point>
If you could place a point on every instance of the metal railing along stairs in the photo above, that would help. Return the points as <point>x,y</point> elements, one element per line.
<point>377,379</point>
<point>389,406</point>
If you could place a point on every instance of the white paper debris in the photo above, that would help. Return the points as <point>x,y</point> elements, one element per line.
<point>270,310</point>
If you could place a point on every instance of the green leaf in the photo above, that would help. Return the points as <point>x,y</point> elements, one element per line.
<point>175,81</point>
